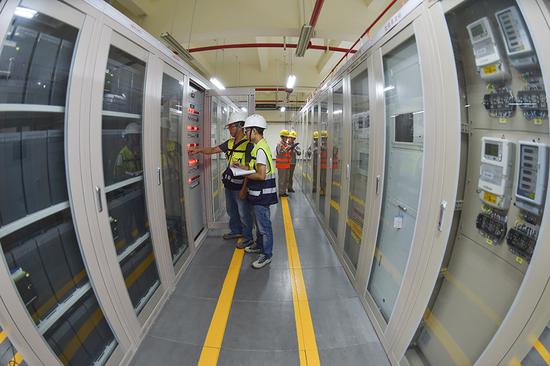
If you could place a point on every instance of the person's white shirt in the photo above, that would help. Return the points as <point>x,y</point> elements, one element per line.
<point>261,157</point>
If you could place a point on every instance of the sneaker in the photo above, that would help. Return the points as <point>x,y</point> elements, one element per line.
<point>253,248</point>
<point>241,244</point>
<point>291,190</point>
<point>262,261</point>
<point>232,236</point>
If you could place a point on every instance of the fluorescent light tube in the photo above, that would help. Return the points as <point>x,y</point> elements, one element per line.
<point>283,109</point>
<point>388,88</point>
<point>303,41</point>
<point>217,83</point>
<point>244,109</point>
<point>171,42</point>
<point>24,12</point>
<point>291,81</point>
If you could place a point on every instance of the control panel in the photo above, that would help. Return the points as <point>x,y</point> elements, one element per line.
<point>193,130</point>
<point>495,172</point>
<point>488,57</point>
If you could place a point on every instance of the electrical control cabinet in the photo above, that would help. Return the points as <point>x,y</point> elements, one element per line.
<point>496,170</point>
<point>195,169</point>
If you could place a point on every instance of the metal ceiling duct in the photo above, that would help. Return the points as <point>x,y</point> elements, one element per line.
<point>303,41</point>
<point>171,42</point>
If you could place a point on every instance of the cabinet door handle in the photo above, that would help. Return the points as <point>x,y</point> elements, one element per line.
<point>98,197</point>
<point>442,208</point>
<point>159,181</point>
<point>347,171</point>
<point>402,208</point>
<point>377,185</point>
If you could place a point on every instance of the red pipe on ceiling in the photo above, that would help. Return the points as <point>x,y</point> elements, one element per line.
<point>268,45</point>
<point>278,101</point>
<point>315,13</point>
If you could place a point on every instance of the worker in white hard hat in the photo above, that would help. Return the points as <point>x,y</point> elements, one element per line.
<point>128,162</point>
<point>237,150</point>
<point>294,151</point>
<point>260,189</point>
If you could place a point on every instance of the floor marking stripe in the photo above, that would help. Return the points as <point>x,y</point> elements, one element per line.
<point>543,352</point>
<point>213,342</point>
<point>447,341</point>
<point>302,314</point>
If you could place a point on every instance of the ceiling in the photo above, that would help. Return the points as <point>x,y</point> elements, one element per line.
<point>199,23</point>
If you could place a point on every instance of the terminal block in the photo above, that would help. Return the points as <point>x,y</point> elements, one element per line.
<point>521,240</point>
<point>492,225</point>
<point>500,103</point>
<point>532,103</point>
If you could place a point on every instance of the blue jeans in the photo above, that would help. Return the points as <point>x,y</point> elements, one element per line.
<point>264,231</point>
<point>240,214</point>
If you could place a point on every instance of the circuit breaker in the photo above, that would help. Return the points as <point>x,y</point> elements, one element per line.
<point>532,174</point>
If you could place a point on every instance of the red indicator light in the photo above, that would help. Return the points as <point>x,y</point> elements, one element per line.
<point>192,179</point>
<point>192,128</point>
<point>192,111</point>
<point>193,162</point>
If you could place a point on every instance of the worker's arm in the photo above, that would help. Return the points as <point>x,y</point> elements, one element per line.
<point>206,150</point>
<point>260,173</point>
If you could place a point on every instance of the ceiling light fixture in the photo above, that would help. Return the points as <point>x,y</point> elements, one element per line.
<point>303,41</point>
<point>24,12</point>
<point>176,47</point>
<point>283,108</point>
<point>218,84</point>
<point>291,81</point>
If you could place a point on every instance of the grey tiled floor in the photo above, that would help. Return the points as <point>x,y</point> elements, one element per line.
<point>261,326</point>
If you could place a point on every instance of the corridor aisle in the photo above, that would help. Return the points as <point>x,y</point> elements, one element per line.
<point>261,324</point>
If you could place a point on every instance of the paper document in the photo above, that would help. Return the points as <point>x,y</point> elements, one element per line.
<point>239,172</point>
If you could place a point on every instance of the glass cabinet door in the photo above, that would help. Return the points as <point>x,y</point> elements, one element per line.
<point>122,143</point>
<point>336,155</point>
<point>402,173</point>
<point>308,156</point>
<point>215,140</point>
<point>314,114</point>
<point>37,234</point>
<point>504,167</point>
<point>359,165</point>
<point>171,127</point>
<point>323,151</point>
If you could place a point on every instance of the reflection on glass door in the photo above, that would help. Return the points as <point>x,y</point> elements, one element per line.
<point>308,153</point>
<point>503,161</point>
<point>39,242</point>
<point>337,150</point>
<point>123,171</point>
<point>215,140</point>
<point>402,176</point>
<point>172,168</point>
<point>315,148</point>
<point>323,151</point>
<point>360,126</point>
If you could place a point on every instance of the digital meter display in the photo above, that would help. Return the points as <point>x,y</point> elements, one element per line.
<point>491,150</point>
<point>478,30</point>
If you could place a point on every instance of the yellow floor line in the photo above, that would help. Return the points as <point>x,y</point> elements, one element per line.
<point>543,352</point>
<point>2,337</point>
<point>214,338</point>
<point>453,349</point>
<point>307,344</point>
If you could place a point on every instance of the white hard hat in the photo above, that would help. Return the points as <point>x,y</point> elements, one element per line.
<point>236,117</point>
<point>132,129</point>
<point>255,120</point>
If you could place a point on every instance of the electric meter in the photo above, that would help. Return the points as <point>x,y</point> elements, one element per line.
<point>487,55</point>
<point>532,176</point>
<point>495,172</point>
<point>516,38</point>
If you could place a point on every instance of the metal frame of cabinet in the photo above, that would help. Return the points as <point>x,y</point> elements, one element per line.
<point>529,313</point>
<point>99,26</point>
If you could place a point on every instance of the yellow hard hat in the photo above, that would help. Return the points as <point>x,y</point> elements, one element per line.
<point>293,134</point>
<point>324,133</point>
<point>284,133</point>
<point>315,134</point>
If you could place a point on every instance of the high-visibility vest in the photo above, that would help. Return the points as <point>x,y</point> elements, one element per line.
<point>283,158</point>
<point>334,158</point>
<point>235,155</point>
<point>127,162</point>
<point>262,192</point>
<point>324,160</point>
